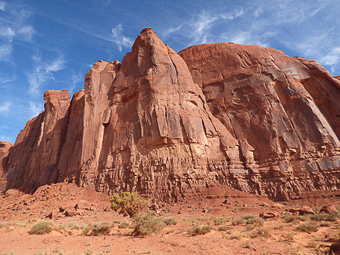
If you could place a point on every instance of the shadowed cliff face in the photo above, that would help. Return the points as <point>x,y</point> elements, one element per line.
<point>169,125</point>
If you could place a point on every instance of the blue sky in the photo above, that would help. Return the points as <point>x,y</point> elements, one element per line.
<point>52,44</point>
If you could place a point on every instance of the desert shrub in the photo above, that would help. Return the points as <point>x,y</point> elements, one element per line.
<point>128,203</point>
<point>41,228</point>
<point>256,221</point>
<point>124,224</point>
<point>222,228</point>
<point>308,227</point>
<point>237,221</point>
<point>220,221</point>
<point>147,224</point>
<point>288,218</point>
<point>324,217</point>
<point>248,217</point>
<point>260,232</point>
<point>325,224</point>
<point>97,229</point>
<point>170,221</point>
<point>200,230</point>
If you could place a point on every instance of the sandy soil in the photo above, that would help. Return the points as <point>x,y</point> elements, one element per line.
<point>223,209</point>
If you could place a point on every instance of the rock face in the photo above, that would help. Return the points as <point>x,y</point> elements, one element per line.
<point>169,125</point>
<point>287,109</point>
<point>4,150</point>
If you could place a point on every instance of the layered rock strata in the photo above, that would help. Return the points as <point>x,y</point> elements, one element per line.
<point>168,125</point>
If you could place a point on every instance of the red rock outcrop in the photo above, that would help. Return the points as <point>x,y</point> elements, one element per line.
<point>168,125</point>
<point>4,150</point>
<point>285,108</point>
<point>33,160</point>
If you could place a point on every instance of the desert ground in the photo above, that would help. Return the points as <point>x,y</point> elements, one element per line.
<point>218,221</point>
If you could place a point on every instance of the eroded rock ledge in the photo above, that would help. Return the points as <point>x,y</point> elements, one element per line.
<point>169,125</point>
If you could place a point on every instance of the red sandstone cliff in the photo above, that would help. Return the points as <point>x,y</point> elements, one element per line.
<point>168,124</point>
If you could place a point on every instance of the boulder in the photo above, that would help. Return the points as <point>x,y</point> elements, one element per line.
<point>328,209</point>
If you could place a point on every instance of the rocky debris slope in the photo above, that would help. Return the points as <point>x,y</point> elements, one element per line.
<point>169,125</point>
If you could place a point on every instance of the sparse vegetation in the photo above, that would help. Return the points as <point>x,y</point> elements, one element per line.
<point>123,224</point>
<point>41,228</point>
<point>200,230</point>
<point>222,228</point>
<point>147,224</point>
<point>324,217</point>
<point>97,229</point>
<point>220,221</point>
<point>288,218</point>
<point>260,232</point>
<point>170,221</point>
<point>256,221</point>
<point>128,203</point>
<point>308,227</point>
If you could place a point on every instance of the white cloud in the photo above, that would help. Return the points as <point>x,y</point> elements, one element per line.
<point>75,80</point>
<point>35,109</point>
<point>5,107</point>
<point>26,32</point>
<point>8,33</point>
<point>167,32</point>
<point>14,25</point>
<point>233,15</point>
<point>201,26</point>
<point>43,72</point>
<point>2,6</point>
<point>119,39</point>
<point>332,58</point>
<point>5,51</point>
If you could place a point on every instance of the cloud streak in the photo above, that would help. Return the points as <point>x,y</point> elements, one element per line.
<point>119,39</point>
<point>43,72</point>
<point>35,109</point>
<point>5,107</point>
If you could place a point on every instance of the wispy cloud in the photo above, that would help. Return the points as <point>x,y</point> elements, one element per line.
<point>14,26</point>
<point>5,51</point>
<point>119,39</point>
<point>332,58</point>
<point>35,109</point>
<point>200,27</point>
<point>2,6</point>
<point>76,80</point>
<point>43,72</point>
<point>167,32</point>
<point>5,107</point>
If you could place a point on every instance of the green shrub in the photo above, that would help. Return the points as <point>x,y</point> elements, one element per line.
<point>200,230</point>
<point>220,221</point>
<point>97,229</point>
<point>147,224</point>
<point>308,227</point>
<point>128,203</point>
<point>288,218</point>
<point>324,217</point>
<point>325,224</point>
<point>237,221</point>
<point>260,232</point>
<point>222,228</point>
<point>170,221</point>
<point>123,224</point>
<point>41,228</point>
<point>256,221</point>
<point>248,217</point>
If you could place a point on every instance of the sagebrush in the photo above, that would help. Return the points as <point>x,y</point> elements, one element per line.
<point>128,203</point>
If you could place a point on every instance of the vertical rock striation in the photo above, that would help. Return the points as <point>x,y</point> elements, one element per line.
<point>168,125</point>
<point>285,108</point>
